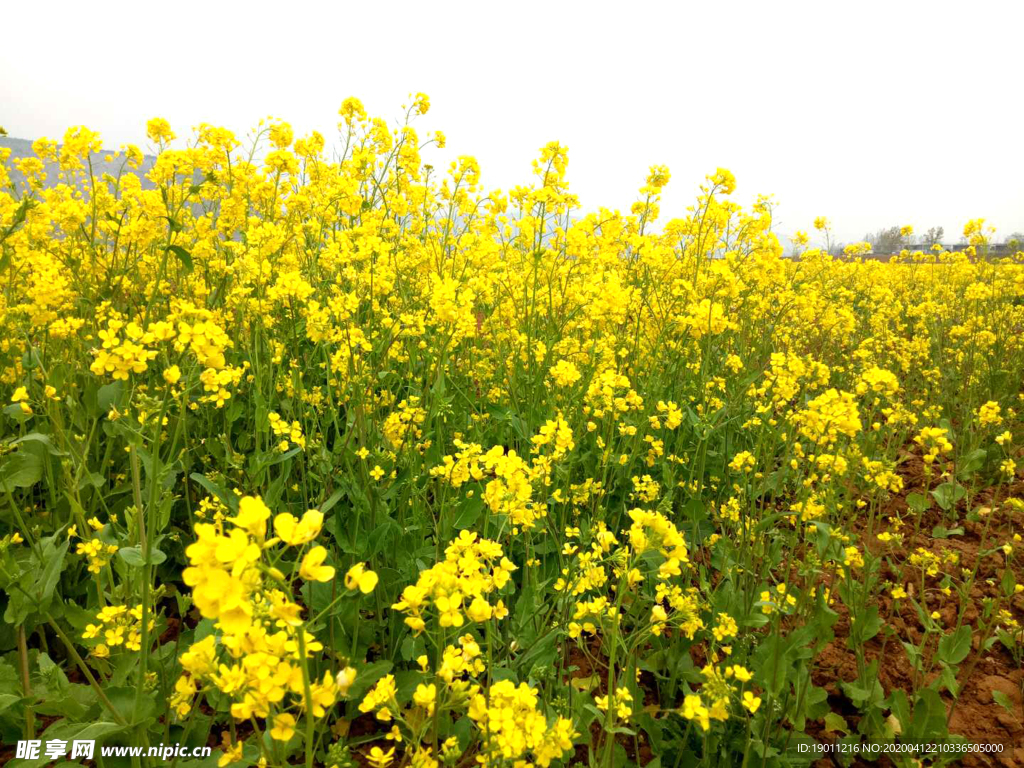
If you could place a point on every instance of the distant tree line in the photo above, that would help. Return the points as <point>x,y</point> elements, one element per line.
<point>893,239</point>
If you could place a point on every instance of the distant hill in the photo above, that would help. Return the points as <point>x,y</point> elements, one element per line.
<point>22,148</point>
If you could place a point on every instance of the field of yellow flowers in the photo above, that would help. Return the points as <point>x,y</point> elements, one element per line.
<point>330,458</point>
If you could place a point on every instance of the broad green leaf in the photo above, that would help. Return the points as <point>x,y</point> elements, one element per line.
<point>21,470</point>
<point>954,647</point>
<point>134,556</point>
<point>109,395</point>
<point>40,439</point>
<point>918,502</point>
<point>835,724</point>
<point>948,494</point>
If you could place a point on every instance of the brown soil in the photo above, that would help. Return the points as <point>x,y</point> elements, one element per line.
<point>975,715</point>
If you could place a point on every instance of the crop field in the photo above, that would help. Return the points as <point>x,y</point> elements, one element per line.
<point>317,455</point>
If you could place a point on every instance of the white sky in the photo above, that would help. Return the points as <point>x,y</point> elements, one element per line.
<point>870,113</point>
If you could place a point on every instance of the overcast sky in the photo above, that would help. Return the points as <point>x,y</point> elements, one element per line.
<point>870,113</point>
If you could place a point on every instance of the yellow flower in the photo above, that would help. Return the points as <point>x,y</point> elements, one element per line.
<point>296,532</point>
<point>564,373</point>
<point>359,577</point>
<point>479,610</point>
<point>252,516</point>
<point>726,627</point>
<point>742,673</point>
<point>231,755</point>
<point>742,462</point>
<point>284,727</point>
<point>344,679</point>
<point>352,110</point>
<point>751,702</point>
<point>172,375</point>
<point>425,696</point>
<point>20,396</point>
<point>378,758</point>
<point>421,103</point>
<point>159,131</point>
<point>694,709</point>
<point>313,569</point>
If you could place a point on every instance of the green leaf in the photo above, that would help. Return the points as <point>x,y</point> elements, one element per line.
<point>7,700</point>
<point>41,439</point>
<point>585,684</point>
<point>21,470</point>
<point>64,730</point>
<point>1008,582</point>
<point>900,707</point>
<point>134,557</point>
<point>954,647</point>
<point>280,457</point>
<point>30,360</point>
<point>918,502</point>
<point>948,494</point>
<point>412,647</point>
<point>14,411</point>
<point>857,693</point>
<point>866,625</point>
<point>469,514</point>
<point>387,530</point>
<point>333,499</point>
<point>109,395</point>
<point>948,680</point>
<point>835,724</point>
<point>971,463</point>
<point>771,664</point>
<point>51,572</point>
<point>124,700</point>
<point>928,722</point>
<point>183,256</point>
<point>541,654</point>
<point>1004,701</point>
<point>95,479</point>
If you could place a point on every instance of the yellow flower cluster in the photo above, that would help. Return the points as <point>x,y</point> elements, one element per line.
<point>96,552</point>
<point>117,625</point>
<point>289,433</point>
<point>458,587</point>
